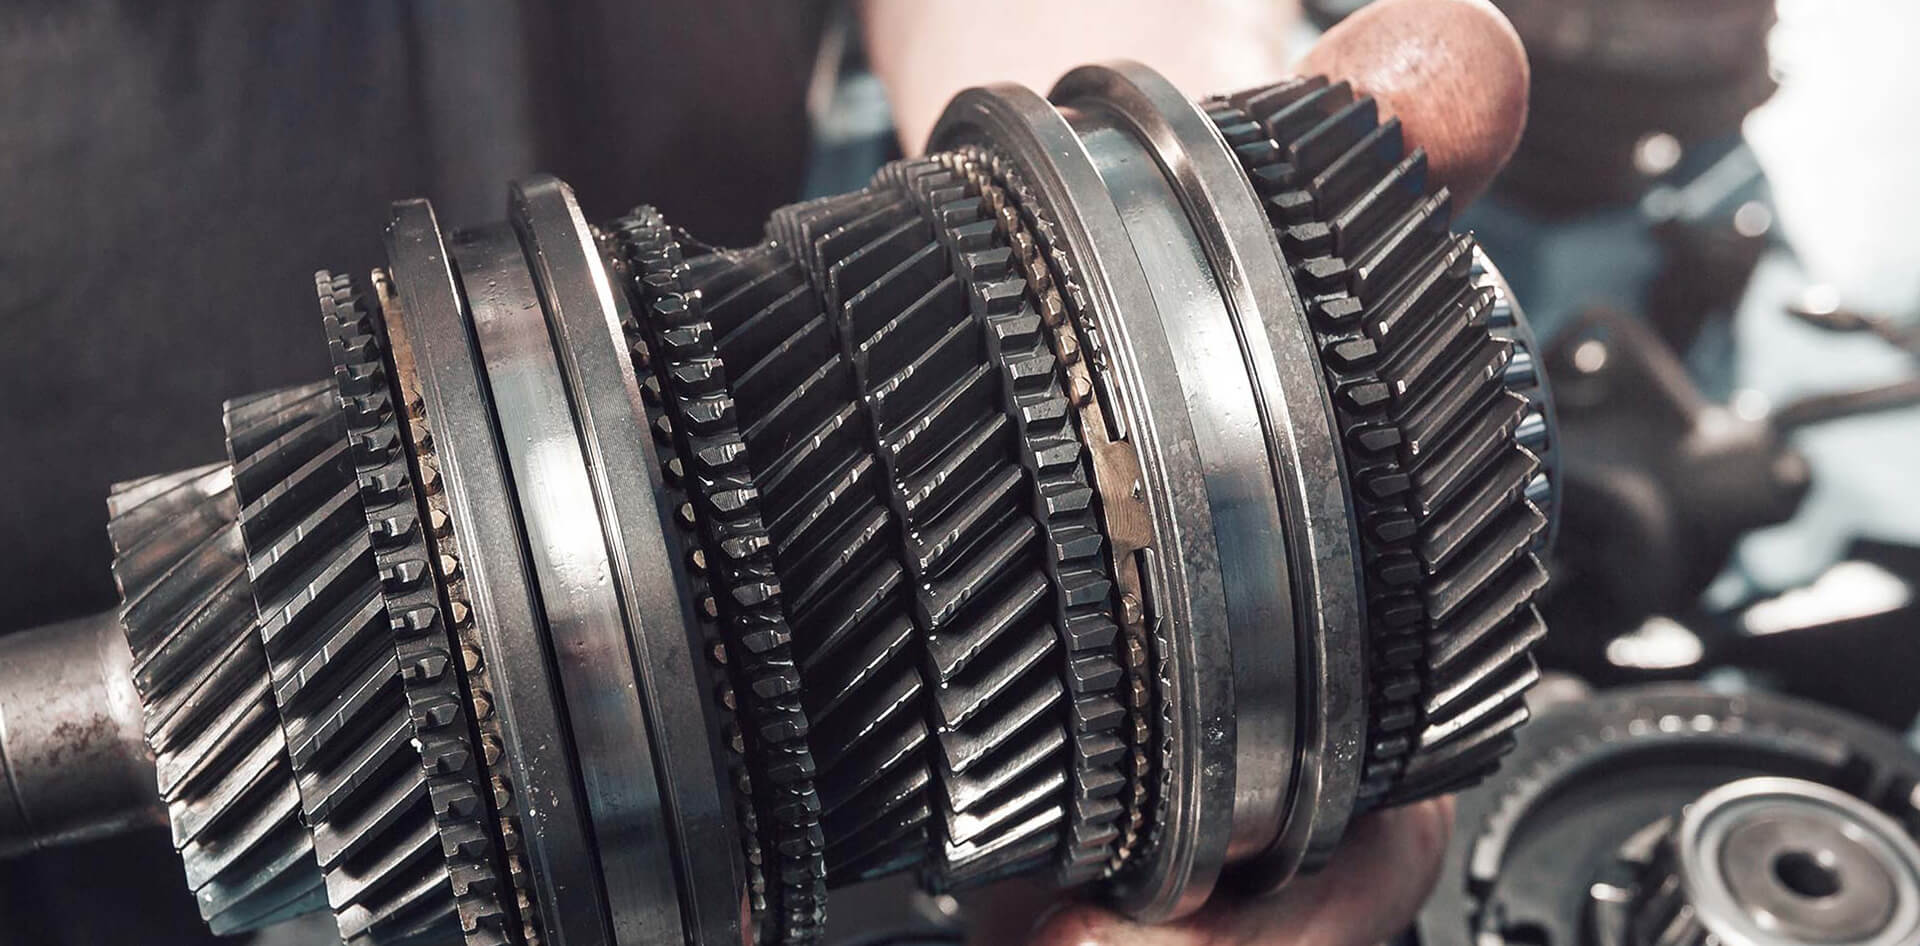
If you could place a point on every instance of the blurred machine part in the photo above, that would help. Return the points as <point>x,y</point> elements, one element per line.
<point>1126,494</point>
<point>1675,815</point>
<point>1661,481</point>
<point>1626,91</point>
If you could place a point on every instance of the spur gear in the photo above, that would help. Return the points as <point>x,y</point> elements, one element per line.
<point>1129,492</point>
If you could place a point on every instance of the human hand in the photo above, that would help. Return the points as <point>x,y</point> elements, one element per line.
<point>1452,71</point>
<point>1370,891</point>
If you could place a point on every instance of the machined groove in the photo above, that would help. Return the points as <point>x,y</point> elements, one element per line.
<point>413,424</point>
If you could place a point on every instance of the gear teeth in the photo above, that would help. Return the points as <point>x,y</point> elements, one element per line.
<point>959,494</point>
<point>1524,377</point>
<point>413,573</point>
<point>1103,832</point>
<point>187,611</point>
<point>901,317</point>
<point>475,676</point>
<point>372,705</point>
<point>927,510</point>
<point>683,314</point>
<point>1443,480</point>
<point>316,584</point>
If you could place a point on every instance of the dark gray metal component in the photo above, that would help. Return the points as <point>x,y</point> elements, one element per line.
<point>568,555</point>
<point>1770,861</point>
<point>1297,764</point>
<point>724,547</point>
<point>223,774</point>
<point>75,762</point>
<point>361,758</point>
<point>1194,797</point>
<point>394,476</point>
<point>430,315</point>
<point>1428,417</point>
<point>1564,845</point>
<point>584,325</point>
<point>1106,494</point>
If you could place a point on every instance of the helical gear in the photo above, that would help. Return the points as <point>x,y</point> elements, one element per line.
<point>1127,492</point>
<point>219,753</point>
<point>1428,423</point>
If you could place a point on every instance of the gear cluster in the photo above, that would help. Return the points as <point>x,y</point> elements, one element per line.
<point>884,529</point>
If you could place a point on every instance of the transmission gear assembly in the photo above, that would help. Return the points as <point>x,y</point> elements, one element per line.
<point>1127,493</point>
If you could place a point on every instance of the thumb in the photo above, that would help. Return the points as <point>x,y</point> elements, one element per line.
<point>1370,892</point>
<point>1452,71</point>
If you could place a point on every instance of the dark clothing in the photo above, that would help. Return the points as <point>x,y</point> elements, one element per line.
<point>178,170</point>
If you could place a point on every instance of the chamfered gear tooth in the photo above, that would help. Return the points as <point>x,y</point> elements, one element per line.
<point>926,473</point>
<point>372,705</point>
<point>1502,680</point>
<point>1102,833</point>
<point>314,575</point>
<point>1524,376</point>
<point>904,322</point>
<point>1450,475</point>
<point>1496,488</point>
<point>1404,315</point>
<point>187,611</point>
<point>728,528</point>
<point>973,215</point>
<point>1480,619</point>
<point>456,786</point>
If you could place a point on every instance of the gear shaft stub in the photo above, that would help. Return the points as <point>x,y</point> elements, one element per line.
<point>1129,493</point>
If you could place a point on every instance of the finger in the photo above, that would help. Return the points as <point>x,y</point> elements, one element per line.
<point>1371,891</point>
<point>1373,888</point>
<point>1454,73</point>
<point>926,50</point>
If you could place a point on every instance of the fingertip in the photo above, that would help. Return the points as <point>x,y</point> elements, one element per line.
<point>1453,71</point>
<point>1079,924</point>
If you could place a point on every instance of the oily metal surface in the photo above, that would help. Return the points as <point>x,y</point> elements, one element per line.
<point>557,843</point>
<point>220,756</point>
<point>624,472</point>
<point>1231,524</point>
<point>1298,763</point>
<point>1439,478</point>
<point>1728,847</point>
<point>1113,472</point>
<point>568,555</point>
<point>1532,844</point>
<point>394,479</point>
<point>1194,795</point>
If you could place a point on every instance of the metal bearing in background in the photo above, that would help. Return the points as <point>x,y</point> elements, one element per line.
<point>1572,843</point>
<point>1773,862</point>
